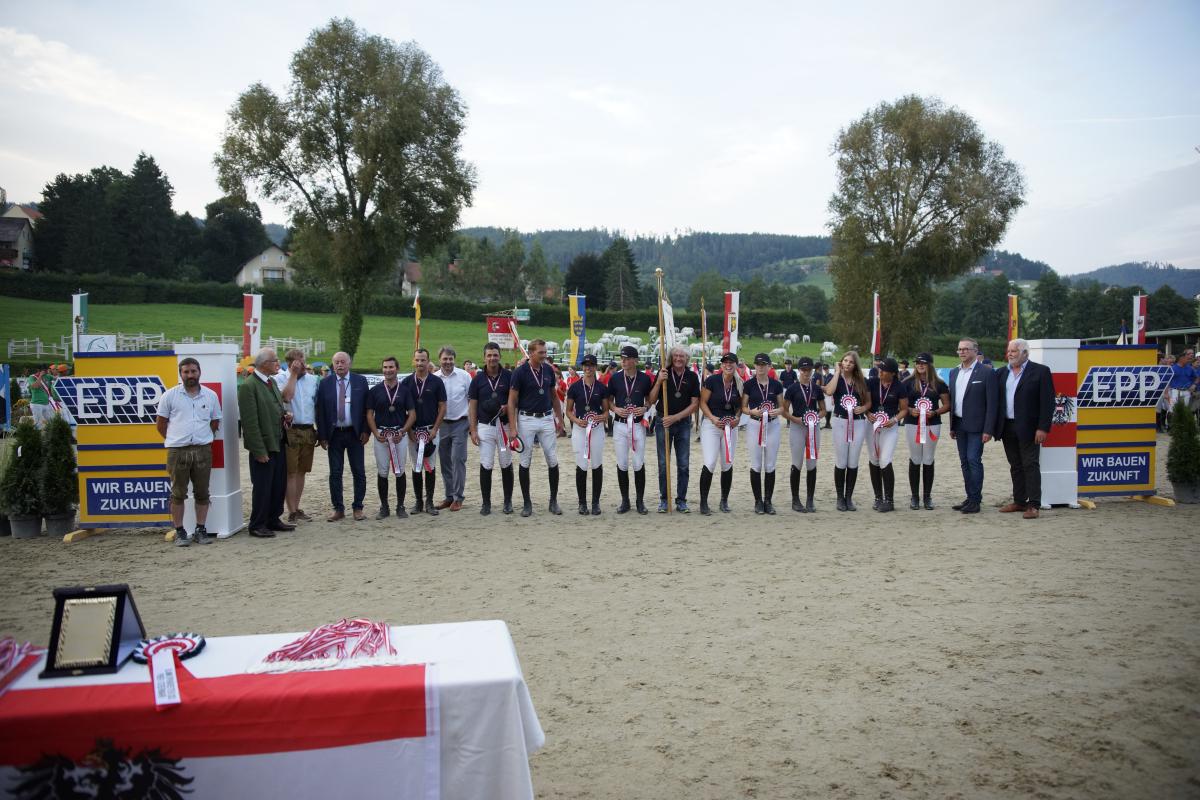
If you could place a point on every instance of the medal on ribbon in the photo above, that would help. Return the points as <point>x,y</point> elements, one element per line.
<point>849,403</point>
<point>924,434</point>
<point>811,420</point>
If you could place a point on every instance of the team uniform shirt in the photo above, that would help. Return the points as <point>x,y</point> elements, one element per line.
<point>803,396</point>
<point>885,399</point>
<point>391,405</point>
<point>677,391</point>
<point>787,377</point>
<point>189,417</point>
<point>533,389</point>
<point>754,392</point>
<point>767,438</point>
<point>490,395</point>
<point>721,403</point>
<point>915,389</point>
<point>584,398</point>
<point>589,452</point>
<point>425,397</point>
<point>303,404</point>
<point>628,393</point>
<point>843,389</point>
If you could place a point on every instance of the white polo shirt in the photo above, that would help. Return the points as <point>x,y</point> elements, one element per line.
<point>457,384</point>
<point>189,417</point>
<point>304,402</point>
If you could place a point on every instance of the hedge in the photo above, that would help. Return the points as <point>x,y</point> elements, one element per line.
<point>114,290</point>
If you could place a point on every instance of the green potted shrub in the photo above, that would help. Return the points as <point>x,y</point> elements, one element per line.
<point>1183,460</point>
<point>20,492</point>
<point>59,485</point>
<point>5,457</point>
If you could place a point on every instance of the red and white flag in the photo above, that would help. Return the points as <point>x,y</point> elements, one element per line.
<point>251,324</point>
<point>876,333</point>
<point>1139,319</point>
<point>729,339</point>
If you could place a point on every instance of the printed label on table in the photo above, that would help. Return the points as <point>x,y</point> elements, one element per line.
<point>164,678</point>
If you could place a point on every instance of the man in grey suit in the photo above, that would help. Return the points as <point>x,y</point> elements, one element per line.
<point>973,419</point>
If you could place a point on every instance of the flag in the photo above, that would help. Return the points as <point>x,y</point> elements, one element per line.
<point>729,337</point>
<point>1124,337</point>
<point>1139,320</point>
<point>251,324</point>
<point>668,321</point>
<point>577,303</point>
<point>79,317</point>
<point>703,335</point>
<point>876,333</point>
<point>1014,318</point>
<point>417,318</point>
<point>5,389</point>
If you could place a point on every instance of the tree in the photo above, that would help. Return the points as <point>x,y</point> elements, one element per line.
<point>364,150</point>
<point>507,276</point>
<point>1082,318</point>
<point>813,302</point>
<point>77,232</point>
<point>1166,308</point>
<point>585,276</point>
<point>948,312</point>
<point>534,272</point>
<point>187,240</point>
<point>233,234</point>
<point>985,307</point>
<point>921,196</point>
<point>1051,298</point>
<point>143,216</point>
<point>711,286</point>
<point>620,276</point>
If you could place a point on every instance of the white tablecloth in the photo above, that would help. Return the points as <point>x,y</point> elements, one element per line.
<point>485,719</point>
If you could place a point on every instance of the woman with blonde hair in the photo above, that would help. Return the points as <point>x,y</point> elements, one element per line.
<point>851,403</point>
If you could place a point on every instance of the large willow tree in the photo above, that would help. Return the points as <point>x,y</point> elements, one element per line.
<point>921,196</point>
<point>364,150</point>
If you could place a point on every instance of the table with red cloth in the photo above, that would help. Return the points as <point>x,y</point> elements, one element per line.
<point>454,720</point>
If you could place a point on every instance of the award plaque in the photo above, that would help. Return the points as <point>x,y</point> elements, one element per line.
<point>95,629</point>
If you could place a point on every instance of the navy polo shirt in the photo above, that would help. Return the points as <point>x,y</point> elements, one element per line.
<point>915,390</point>
<point>843,389</point>
<point>426,395</point>
<point>687,388</point>
<point>886,399</point>
<point>795,395</point>
<point>533,395</point>
<point>586,399</point>
<point>787,377</point>
<point>718,403</point>
<point>754,392</point>
<point>390,412</point>
<point>626,393</point>
<point>486,390</point>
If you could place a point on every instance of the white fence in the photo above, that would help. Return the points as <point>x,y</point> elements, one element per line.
<point>38,349</point>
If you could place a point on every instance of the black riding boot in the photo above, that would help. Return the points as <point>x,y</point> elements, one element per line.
<point>706,477</point>
<point>914,485</point>
<point>581,489</point>
<point>756,488</point>
<point>927,486</point>
<point>851,479</point>
<point>418,493</point>
<point>381,485</point>
<point>795,480</point>
<point>506,481</point>
<point>485,491</point>
<point>430,482</point>
<point>553,507</point>
<point>812,489</point>
<point>726,485</point>
<point>768,491</point>
<point>597,485</point>
<point>889,488</point>
<point>401,490</point>
<point>639,486</point>
<point>527,504</point>
<point>876,485</point>
<point>839,484</point>
<point>623,485</point>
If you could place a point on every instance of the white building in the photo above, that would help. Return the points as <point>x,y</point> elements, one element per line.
<point>16,242</point>
<point>269,266</point>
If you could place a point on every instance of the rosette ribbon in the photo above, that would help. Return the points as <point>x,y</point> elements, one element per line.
<point>924,434</point>
<point>811,420</point>
<point>592,420</point>
<point>629,421</point>
<point>503,434</point>
<point>393,437</point>
<point>849,402</point>
<point>726,424</point>
<point>422,440</point>
<point>763,421</point>
<point>880,420</point>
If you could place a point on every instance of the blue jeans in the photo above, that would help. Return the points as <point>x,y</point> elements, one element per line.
<point>681,437</point>
<point>342,444</point>
<point>970,456</point>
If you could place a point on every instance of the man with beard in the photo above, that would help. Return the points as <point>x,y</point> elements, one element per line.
<point>487,414</point>
<point>535,417</point>
<point>188,416</point>
<point>390,415</point>
<point>428,395</point>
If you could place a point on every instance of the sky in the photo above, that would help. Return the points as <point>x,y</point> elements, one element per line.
<point>662,117</point>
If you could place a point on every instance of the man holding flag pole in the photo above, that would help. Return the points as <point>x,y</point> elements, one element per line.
<point>676,393</point>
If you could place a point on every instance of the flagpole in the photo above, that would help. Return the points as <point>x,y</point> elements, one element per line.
<point>417,324</point>
<point>662,360</point>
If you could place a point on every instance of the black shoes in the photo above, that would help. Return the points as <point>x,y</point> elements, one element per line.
<point>768,508</point>
<point>384,513</point>
<point>928,503</point>
<point>508,507</point>
<point>914,503</point>
<point>596,509</point>
<point>704,509</point>
<point>624,507</point>
<point>724,506</point>
<point>485,509</point>
<point>553,507</point>
<point>583,509</point>
<point>262,533</point>
<point>527,510</point>
<point>641,508</point>
<point>959,506</point>
<point>758,507</point>
<point>970,508</point>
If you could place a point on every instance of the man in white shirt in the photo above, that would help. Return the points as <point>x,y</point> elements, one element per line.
<point>188,416</point>
<point>298,388</point>
<point>455,429</point>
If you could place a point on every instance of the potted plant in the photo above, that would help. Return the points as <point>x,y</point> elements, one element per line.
<point>5,457</point>
<point>1183,460</point>
<point>59,486</point>
<point>20,493</point>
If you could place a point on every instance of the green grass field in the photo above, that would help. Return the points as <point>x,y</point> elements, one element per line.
<point>381,336</point>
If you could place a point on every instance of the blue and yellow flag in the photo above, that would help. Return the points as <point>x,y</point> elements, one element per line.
<point>578,308</point>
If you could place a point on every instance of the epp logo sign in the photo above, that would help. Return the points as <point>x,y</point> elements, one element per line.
<point>127,400</point>
<point>1123,387</point>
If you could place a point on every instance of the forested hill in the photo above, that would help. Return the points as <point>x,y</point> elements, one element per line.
<point>734,255</point>
<point>1149,276</point>
<point>1016,267</point>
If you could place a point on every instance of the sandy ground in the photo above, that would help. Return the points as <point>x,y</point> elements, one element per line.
<point>916,654</point>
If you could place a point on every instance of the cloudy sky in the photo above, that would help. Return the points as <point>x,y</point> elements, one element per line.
<point>663,116</point>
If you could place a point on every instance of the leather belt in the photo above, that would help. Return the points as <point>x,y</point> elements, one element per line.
<point>535,414</point>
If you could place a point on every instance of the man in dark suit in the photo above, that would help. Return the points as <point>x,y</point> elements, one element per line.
<point>263,419</point>
<point>342,430</point>
<point>973,419</point>
<point>1025,397</point>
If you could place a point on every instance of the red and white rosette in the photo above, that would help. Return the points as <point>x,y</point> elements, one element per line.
<point>763,421</point>
<point>592,419</point>
<point>422,440</point>
<point>361,641</point>
<point>924,409</point>
<point>393,437</point>
<point>881,419</point>
<point>849,403</point>
<point>15,659</point>
<point>185,645</point>
<point>629,421</point>
<point>503,434</point>
<point>726,427</point>
<point>811,443</point>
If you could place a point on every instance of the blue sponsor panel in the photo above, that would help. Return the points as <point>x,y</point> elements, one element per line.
<point>111,496</point>
<point>1100,470</point>
<point>1123,387</point>
<point>123,400</point>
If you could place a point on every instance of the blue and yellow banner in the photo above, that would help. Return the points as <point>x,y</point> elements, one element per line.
<point>578,308</point>
<point>113,398</point>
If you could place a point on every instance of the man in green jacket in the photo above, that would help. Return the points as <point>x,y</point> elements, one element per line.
<point>263,420</point>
